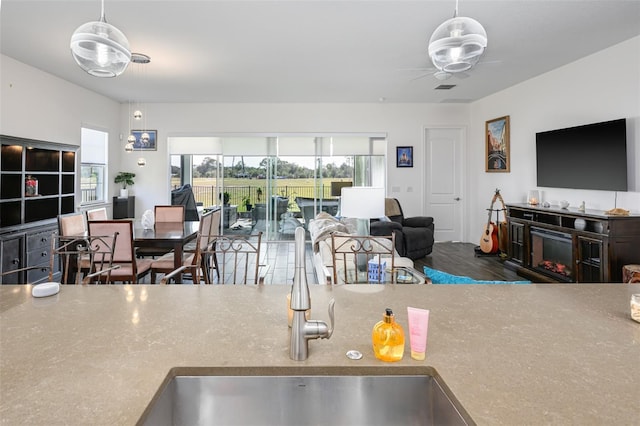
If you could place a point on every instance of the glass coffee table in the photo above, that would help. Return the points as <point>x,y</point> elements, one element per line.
<point>399,275</point>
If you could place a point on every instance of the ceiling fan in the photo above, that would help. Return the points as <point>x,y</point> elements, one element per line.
<point>455,47</point>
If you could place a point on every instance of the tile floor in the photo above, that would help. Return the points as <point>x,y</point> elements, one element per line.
<point>280,256</point>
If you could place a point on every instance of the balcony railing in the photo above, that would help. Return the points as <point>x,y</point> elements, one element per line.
<point>207,194</point>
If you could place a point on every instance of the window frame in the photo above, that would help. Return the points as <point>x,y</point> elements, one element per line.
<point>100,187</point>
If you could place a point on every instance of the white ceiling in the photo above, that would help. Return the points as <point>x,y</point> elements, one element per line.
<point>311,51</point>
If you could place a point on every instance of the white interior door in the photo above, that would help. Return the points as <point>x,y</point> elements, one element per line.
<point>444,181</point>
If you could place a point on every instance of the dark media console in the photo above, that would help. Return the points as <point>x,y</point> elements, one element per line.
<point>567,245</point>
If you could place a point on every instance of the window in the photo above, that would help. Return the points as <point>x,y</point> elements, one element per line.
<point>93,165</point>
<point>274,183</point>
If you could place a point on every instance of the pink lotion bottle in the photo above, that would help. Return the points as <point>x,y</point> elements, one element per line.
<point>418,327</point>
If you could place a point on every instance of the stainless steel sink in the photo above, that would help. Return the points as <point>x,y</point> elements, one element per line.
<point>395,395</point>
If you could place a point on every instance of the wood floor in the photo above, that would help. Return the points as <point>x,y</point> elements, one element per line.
<point>461,259</point>
<point>454,258</point>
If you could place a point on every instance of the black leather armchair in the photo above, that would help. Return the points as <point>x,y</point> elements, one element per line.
<point>414,235</point>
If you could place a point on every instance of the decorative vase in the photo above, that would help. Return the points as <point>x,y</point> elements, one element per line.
<point>580,224</point>
<point>31,187</point>
<point>124,193</point>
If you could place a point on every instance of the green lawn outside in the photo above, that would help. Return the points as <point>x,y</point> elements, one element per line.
<point>239,188</point>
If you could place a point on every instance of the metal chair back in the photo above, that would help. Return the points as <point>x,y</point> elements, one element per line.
<point>352,253</point>
<point>237,258</point>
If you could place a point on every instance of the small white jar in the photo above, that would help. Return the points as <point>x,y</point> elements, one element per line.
<point>635,307</point>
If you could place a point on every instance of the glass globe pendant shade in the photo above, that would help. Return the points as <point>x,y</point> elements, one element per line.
<point>100,49</point>
<point>137,114</point>
<point>142,162</point>
<point>457,44</point>
<point>129,146</point>
<point>144,138</point>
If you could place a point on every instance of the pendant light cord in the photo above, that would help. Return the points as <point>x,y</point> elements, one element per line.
<point>102,17</point>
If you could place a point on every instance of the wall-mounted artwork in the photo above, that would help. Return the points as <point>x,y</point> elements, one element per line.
<point>497,145</point>
<point>145,145</point>
<point>404,156</point>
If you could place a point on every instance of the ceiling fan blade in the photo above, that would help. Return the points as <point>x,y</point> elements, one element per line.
<point>442,75</point>
<point>422,76</point>
<point>462,75</point>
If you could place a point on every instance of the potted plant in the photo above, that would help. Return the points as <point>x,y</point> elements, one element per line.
<point>247,202</point>
<point>259,194</point>
<point>126,179</point>
<point>225,198</point>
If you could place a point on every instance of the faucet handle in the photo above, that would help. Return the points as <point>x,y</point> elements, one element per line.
<point>332,304</point>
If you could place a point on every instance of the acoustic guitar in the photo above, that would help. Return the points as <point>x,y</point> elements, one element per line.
<point>489,240</point>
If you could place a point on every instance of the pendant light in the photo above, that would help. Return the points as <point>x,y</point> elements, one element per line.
<point>457,44</point>
<point>141,160</point>
<point>131,140</point>
<point>100,49</point>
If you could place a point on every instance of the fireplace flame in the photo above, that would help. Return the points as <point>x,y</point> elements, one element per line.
<point>555,267</point>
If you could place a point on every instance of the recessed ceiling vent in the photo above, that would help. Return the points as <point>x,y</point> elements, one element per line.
<point>445,87</point>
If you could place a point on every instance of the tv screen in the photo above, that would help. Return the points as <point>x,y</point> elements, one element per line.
<point>593,156</point>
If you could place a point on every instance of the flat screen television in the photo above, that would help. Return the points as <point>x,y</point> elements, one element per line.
<point>593,156</point>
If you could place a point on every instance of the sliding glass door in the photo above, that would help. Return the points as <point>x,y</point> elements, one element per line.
<point>274,184</point>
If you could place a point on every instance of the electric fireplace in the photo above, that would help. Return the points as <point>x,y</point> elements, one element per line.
<point>551,253</point>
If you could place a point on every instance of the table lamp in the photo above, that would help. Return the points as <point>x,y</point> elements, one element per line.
<point>362,203</point>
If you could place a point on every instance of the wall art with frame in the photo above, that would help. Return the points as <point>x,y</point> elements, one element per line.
<point>497,145</point>
<point>404,156</point>
<point>150,145</point>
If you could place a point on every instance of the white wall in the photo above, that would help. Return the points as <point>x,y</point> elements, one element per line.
<point>603,86</point>
<point>37,105</point>
<point>403,123</point>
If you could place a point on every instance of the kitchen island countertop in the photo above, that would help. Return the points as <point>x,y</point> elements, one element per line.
<point>512,354</point>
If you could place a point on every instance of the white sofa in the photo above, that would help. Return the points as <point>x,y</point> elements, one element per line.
<point>320,229</point>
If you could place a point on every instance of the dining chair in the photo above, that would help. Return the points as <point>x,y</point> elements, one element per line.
<point>97,214</point>
<point>362,258</point>
<point>131,268</point>
<point>207,258</point>
<point>192,259</point>
<point>238,259</point>
<point>169,213</point>
<point>162,214</point>
<point>94,252</point>
<point>72,224</point>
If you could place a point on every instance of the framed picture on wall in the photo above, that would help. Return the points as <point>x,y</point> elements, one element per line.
<point>497,145</point>
<point>145,145</point>
<point>404,156</point>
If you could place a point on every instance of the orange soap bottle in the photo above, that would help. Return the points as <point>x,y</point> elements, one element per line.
<point>388,338</point>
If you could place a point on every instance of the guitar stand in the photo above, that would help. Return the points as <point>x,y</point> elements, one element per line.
<point>478,251</point>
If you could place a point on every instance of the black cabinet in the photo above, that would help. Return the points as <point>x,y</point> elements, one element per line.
<point>550,244</point>
<point>124,208</point>
<point>11,256</point>
<point>37,183</point>
<point>27,248</point>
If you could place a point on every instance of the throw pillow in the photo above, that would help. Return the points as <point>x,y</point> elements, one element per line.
<point>439,277</point>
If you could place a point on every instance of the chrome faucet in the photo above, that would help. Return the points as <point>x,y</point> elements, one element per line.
<point>302,329</point>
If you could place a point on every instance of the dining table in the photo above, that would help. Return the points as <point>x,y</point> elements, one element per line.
<point>167,235</point>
